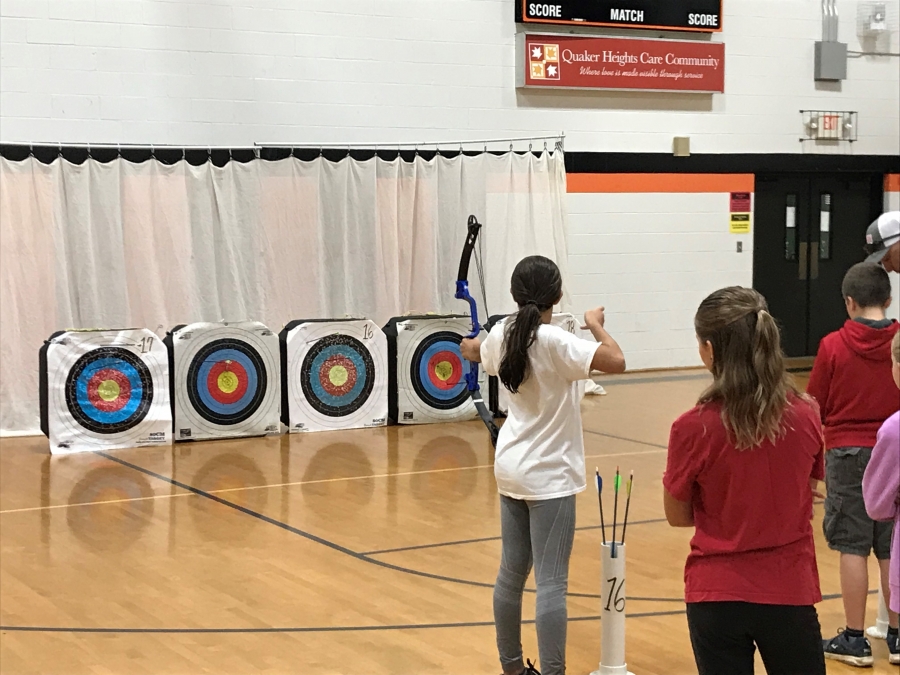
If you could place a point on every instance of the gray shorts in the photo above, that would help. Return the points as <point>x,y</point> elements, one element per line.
<point>847,526</point>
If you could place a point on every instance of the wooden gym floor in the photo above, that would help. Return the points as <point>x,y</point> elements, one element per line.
<point>367,552</point>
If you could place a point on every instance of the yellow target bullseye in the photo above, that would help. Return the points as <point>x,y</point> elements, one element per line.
<point>338,376</point>
<point>444,370</point>
<point>108,390</point>
<point>227,381</point>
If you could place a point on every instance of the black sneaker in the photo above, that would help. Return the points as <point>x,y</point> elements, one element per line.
<point>852,650</point>
<point>530,669</point>
<point>893,643</point>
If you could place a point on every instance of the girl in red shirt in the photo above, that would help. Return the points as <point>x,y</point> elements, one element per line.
<point>742,470</point>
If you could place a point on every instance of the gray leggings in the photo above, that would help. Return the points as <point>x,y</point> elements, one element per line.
<point>541,532</point>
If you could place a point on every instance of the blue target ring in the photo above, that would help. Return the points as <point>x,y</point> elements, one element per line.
<point>207,397</point>
<point>337,375</point>
<point>434,391</point>
<point>109,390</point>
<point>333,400</point>
<point>247,381</point>
<point>132,401</point>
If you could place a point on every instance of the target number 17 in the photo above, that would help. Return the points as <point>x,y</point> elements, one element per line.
<point>146,344</point>
<point>615,590</point>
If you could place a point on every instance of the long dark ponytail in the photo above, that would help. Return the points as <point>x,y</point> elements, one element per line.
<point>536,286</point>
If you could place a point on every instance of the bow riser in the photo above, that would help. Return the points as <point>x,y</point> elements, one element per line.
<point>462,293</point>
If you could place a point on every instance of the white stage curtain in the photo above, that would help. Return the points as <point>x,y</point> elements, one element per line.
<point>151,245</point>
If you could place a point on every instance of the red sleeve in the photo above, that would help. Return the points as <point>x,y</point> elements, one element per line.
<point>687,453</point>
<point>820,378</point>
<point>818,470</point>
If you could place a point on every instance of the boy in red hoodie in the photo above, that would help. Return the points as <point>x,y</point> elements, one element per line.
<point>851,380</point>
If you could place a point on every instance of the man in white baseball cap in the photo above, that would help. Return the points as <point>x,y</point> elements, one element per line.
<point>883,241</point>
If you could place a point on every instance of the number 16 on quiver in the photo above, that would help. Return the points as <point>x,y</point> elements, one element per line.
<point>612,612</point>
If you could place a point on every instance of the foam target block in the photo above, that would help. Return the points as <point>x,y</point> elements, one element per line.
<point>498,396</point>
<point>226,380</point>
<point>104,389</point>
<point>334,375</point>
<point>427,371</point>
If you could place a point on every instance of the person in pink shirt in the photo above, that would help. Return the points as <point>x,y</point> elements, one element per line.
<point>881,491</point>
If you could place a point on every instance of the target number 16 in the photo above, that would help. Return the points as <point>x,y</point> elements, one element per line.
<point>368,333</point>
<point>615,590</point>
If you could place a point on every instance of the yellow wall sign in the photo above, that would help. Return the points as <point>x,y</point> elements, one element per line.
<point>740,223</point>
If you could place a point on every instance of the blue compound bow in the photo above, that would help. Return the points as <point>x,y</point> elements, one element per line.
<point>462,293</point>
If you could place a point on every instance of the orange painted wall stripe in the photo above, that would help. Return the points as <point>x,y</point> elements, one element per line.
<point>891,182</point>
<point>660,182</point>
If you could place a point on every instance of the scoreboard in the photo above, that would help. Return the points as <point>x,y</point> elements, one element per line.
<point>690,15</point>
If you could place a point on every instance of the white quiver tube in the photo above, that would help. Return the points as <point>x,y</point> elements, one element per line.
<point>612,612</point>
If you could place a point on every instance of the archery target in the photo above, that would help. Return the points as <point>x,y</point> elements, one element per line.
<point>431,384</point>
<point>226,380</point>
<point>103,390</point>
<point>568,323</point>
<point>335,375</point>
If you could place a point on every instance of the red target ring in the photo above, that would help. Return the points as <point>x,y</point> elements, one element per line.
<point>109,390</point>
<point>337,375</point>
<point>444,370</point>
<point>227,382</point>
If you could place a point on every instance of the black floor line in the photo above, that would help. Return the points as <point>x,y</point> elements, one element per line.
<point>622,438</point>
<point>305,629</point>
<point>290,528</point>
<point>484,539</point>
<point>319,540</point>
<point>312,537</point>
<point>330,629</point>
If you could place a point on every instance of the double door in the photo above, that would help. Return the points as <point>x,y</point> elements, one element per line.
<point>810,229</point>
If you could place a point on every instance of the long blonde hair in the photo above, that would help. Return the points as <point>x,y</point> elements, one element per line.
<point>749,378</point>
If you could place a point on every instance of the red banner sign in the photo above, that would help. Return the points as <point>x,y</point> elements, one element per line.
<point>587,62</point>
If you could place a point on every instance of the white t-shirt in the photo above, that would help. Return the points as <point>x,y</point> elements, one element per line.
<point>540,451</point>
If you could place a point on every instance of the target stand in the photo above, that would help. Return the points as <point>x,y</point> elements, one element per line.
<point>102,390</point>
<point>226,380</point>
<point>426,382</point>
<point>334,375</point>
<point>498,396</point>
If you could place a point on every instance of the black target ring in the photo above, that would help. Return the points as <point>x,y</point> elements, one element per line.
<point>254,380</point>
<point>443,342</point>
<point>324,368</point>
<point>122,366</point>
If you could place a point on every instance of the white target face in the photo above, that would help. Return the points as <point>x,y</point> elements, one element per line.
<point>107,390</point>
<point>336,375</point>
<point>227,380</point>
<point>568,323</point>
<point>431,384</point>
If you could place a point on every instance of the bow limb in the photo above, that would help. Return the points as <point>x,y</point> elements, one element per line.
<point>462,293</point>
